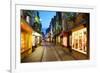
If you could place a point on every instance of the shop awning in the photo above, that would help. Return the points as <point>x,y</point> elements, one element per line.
<point>25,26</point>
<point>34,33</point>
<point>63,33</point>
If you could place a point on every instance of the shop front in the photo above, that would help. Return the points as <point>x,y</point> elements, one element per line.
<point>36,39</point>
<point>64,39</point>
<point>79,39</point>
<point>26,39</point>
<point>59,39</point>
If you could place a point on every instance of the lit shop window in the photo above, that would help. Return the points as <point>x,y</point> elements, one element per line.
<point>29,40</point>
<point>59,39</point>
<point>38,40</point>
<point>79,40</point>
<point>65,41</point>
<point>33,42</point>
<point>22,42</point>
<point>70,40</point>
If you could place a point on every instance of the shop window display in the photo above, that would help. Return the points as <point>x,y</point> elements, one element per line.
<point>84,41</point>
<point>75,41</point>
<point>79,40</point>
<point>23,42</point>
<point>70,38</point>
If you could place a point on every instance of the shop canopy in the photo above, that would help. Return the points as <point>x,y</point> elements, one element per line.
<point>63,33</point>
<point>34,33</point>
<point>25,26</point>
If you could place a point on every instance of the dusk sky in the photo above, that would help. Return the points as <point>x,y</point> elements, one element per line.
<point>46,17</point>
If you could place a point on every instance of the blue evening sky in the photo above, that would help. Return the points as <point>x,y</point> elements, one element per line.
<point>46,17</point>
